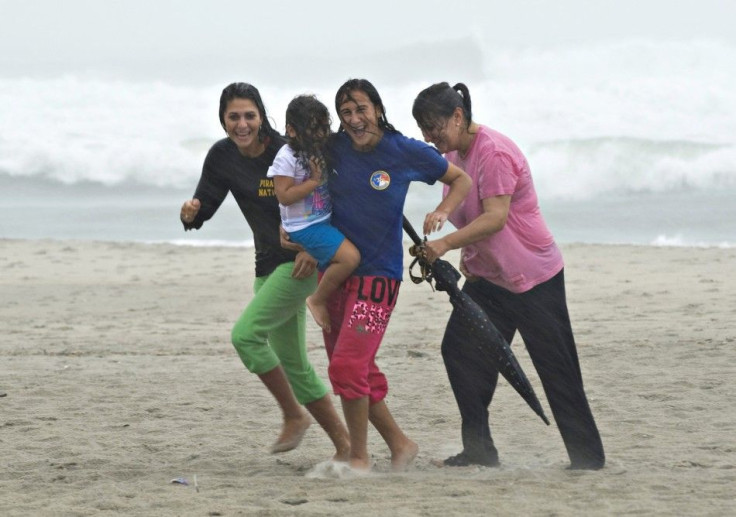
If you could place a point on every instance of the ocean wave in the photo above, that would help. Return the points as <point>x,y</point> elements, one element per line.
<point>639,116</point>
<point>587,168</point>
<point>562,169</point>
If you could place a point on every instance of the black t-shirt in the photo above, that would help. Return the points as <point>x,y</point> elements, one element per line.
<point>226,170</point>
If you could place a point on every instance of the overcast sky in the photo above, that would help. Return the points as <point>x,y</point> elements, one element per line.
<point>56,36</point>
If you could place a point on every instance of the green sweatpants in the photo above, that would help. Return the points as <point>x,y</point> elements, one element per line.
<point>271,331</point>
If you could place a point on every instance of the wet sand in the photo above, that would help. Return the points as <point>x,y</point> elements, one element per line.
<point>117,376</point>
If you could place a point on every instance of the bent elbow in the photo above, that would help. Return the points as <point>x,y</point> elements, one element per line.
<point>284,198</point>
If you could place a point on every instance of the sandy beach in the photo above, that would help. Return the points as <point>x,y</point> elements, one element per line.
<point>117,376</point>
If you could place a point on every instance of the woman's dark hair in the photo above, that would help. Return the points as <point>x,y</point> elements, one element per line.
<point>306,114</point>
<point>434,105</point>
<point>245,91</point>
<point>364,85</point>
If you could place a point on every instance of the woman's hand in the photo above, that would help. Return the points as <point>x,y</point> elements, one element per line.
<point>304,265</point>
<point>435,249</point>
<point>189,210</point>
<point>434,221</point>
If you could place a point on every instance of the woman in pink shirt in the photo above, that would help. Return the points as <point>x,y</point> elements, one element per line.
<point>514,271</point>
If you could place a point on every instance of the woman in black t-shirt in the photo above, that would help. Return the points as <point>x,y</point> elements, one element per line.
<point>270,334</point>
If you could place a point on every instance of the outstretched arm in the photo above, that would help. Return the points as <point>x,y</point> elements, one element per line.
<point>211,191</point>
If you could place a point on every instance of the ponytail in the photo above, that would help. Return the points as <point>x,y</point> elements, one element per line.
<point>463,91</point>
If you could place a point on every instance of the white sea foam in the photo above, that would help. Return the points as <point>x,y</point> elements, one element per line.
<point>679,241</point>
<point>210,243</point>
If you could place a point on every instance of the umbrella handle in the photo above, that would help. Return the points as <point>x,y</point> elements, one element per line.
<point>409,229</point>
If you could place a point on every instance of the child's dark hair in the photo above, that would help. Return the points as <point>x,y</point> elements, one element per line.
<point>308,117</point>
<point>434,105</point>
<point>246,91</point>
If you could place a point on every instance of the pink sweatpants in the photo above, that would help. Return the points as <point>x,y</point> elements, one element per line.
<point>359,314</point>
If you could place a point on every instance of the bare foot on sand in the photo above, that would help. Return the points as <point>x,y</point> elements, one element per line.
<point>292,433</point>
<point>360,465</point>
<point>437,462</point>
<point>401,459</point>
<point>319,313</point>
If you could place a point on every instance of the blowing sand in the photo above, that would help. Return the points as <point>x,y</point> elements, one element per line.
<point>117,376</point>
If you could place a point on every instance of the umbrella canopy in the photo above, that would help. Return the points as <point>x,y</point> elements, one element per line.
<point>487,341</point>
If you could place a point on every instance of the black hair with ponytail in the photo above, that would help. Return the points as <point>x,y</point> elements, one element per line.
<point>435,104</point>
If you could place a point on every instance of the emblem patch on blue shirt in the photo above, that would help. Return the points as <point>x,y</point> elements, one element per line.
<point>380,180</point>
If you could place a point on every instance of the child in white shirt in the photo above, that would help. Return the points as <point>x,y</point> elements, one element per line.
<point>300,180</point>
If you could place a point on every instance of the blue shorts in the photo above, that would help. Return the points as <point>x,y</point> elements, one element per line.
<point>321,240</point>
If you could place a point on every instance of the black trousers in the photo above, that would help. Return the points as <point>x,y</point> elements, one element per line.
<point>541,317</point>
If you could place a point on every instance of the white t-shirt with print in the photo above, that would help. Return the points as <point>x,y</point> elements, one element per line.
<point>314,208</point>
